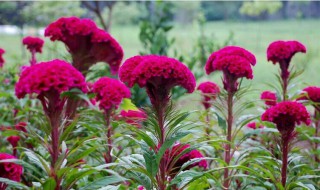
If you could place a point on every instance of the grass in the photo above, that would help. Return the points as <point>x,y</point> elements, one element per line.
<point>254,36</point>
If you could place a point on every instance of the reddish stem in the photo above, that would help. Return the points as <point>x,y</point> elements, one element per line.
<point>108,157</point>
<point>160,112</point>
<point>285,148</point>
<point>317,121</point>
<point>33,59</point>
<point>227,157</point>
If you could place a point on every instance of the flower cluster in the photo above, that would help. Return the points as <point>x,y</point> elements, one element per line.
<point>110,92</point>
<point>235,62</point>
<point>1,58</point>
<point>254,125</point>
<point>177,150</point>
<point>158,74</point>
<point>10,170</point>
<point>34,44</point>
<point>311,93</point>
<point>86,42</point>
<point>286,115</point>
<point>134,117</point>
<point>55,76</point>
<point>269,98</point>
<point>209,91</point>
<point>282,51</point>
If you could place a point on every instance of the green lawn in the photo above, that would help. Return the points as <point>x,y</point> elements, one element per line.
<point>254,36</point>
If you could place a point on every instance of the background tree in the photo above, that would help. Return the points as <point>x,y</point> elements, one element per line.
<point>260,9</point>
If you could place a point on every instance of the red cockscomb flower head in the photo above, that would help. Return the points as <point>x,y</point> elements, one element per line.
<point>286,115</point>
<point>49,80</point>
<point>282,51</point>
<point>312,93</point>
<point>9,170</point>
<point>86,42</point>
<point>13,140</point>
<point>134,117</point>
<point>209,91</point>
<point>176,151</point>
<point>1,58</point>
<point>34,44</point>
<point>158,74</point>
<point>140,187</point>
<point>110,93</point>
<point>254,125</point>
<point>269,98</point>
<point>21,126</point>
<point>235,62</point>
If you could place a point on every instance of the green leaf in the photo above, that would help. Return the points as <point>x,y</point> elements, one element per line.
<point>13,183</point>
<point>150,157</point>
<point>127,104</point>
<point>221,122</point>
<point>103,182</point>
<point>50,184</point>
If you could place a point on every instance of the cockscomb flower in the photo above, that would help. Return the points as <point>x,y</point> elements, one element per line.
<point>1,58</point>
<point>48,80</point>
<point>286,115</point>
<point>171,155</point>
<point>34,44</point>
<point>134,117</point>
<point>282,51</point>
<point>235,62</point>
<point>21,126</point>
<point>209,92</point>
<point>158,74</point>
<point>269,98</point>
<point>311,93</point>
<point>254,125</point>
<point>13,140</point>
<point>86,43</point>
<point>9,170</point>
<point>110,93</point>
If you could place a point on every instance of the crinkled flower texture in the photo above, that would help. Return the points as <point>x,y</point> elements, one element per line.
<point>10,170</point>
<point>209,91</point>
<point>110,93</point>
<point>86,42</point>
<point>158,74</point>
<point>21,126</point>
<point>254,125</point>
<point>1,58</point>
<point>269,98</point>
<point>176,150</point>
<point>286,115</point>
<point>34,44</point>
<point>235,62</point>
<point>134,117</point>
<point>311,93</point>
<point>50,77</point>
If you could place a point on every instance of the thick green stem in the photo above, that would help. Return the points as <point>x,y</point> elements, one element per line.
<point>227,157</point>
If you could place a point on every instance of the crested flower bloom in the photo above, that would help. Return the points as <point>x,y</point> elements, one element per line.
<point>282,51</point>
<point>254,125</point>
<point>158,74</point>
<point>48,80</point>
<point>134,117</point>
<point>110,93</point>
<point>34,44</point>
<point>1,58</point>
<point>235,62</point>
<point>86,43</point>
<point>269,98</point>
<point>9,170</point>
<point>13,140</point>
<point>177,150</point>
<point>311,93</point>
<point>209,91</point>
<point>286,115</point>
<point>21,126</point>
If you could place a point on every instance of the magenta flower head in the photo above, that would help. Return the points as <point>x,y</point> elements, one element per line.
<point>134,117</point>
<point>9,170</point>
<point>269,98</point>
<point>254,125</point>
<point>34,44</point>
<point>235,62</point>
<point>110,93</point>
<point>48,80</point>
<point>1,58</point>
<point>282,51</point>
<point>86,43</point>
<point>209,92</point>
<point>286,115</point>
<point>176,164</point>
<point>311,93</point>
<point>13,140</point>
<point>158,74</point>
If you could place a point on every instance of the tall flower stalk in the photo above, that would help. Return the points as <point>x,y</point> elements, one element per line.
<point>234,62</point>
<point>158,74</point>
<point>109,93</point>
<point>34,45</point>
<point>286,115</point>
<point>282,52</point>
<point>48,80</point>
